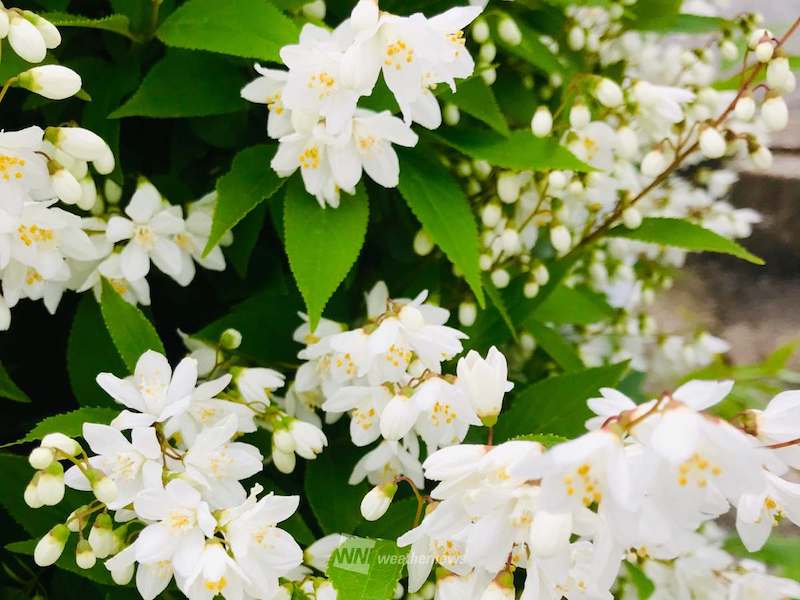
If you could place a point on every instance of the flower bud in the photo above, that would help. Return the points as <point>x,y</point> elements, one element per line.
<point>122,574</point>
<point>485,262</point>
<point>631,218</point>
<point>88,197</point>
<point>557,180</point>
<point>491,214</point>
<point>579,116</point>
<point>112,191</point>
<point>608,93</point>
<point>576,38</point>
<point>531,289</point>
<point>487,53</point>
<point>26,40</point>
<point>729,50</point>
<point>283,461</point>
<point>627,146</point>
<point>560,238</point>
<point>73,523</point>
<point>511,241</point>
<point>508,187</point>
<point>104,164</point>
<point>398,417</point>
<point>761,157</point>
<point>542,122</point>
<point>653,163</point>
<point>101,536</point>
<point>541,274</point>
<point>31,494</point>
<point>480,31</point>
<point>103,487</point>
<point>84,556</point>
<point>758,36</point>
<point>283,440</point>
<point>3,24</point>
<point>230,339</point>
<point>745,108</point>
<point>51,484</point>
<point>500,278</point>
<point>49,32</point>
<point>467,313</point>
<point>489,76</point>
<point>764,51</point>
<point>423,243</point>
<point>315,10</point>
<point>59,441</point>
<point>775,113</point>
<point>377,501</point>
<point>50,547</point>
<point>778,71</point>
<point>712,144</point>
<point>78,142</point>
<point>509,32</point>
<point>482,169</point>
<point>51,81</point>
<point>40,458</point>
<point>66,187</point>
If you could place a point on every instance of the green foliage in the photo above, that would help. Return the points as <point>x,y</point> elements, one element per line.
<point>131,332</point>
<point>578,306</point>
<point>113,23</point>
<point>366,569</point>
<point>559,348</point>
<point>548,440</point>
<point>322,244</point>
<point>247,28</point>
<point>70,423</point>
<point>679,233</point>
<point>782,552</point>
<point>530,49</point>
<point>186,84</point>
<point>98,573</point>
<point>9,389</point>
<point>641,582</point>
<point>477,99</point>
<point>442,208</point>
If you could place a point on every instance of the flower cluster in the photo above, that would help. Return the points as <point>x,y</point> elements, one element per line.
<point>313,107</point>
<point>169,469</point>
<point>387,375</point>
<point>640,482</point>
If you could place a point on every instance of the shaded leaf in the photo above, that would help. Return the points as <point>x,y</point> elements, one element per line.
<point>477,99</point>
<point>113,23</point>
<point>9,389</point>
<point>70,423</point>
<point>558,347</point>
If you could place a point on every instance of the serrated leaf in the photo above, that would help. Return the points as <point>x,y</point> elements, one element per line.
<point>679,233</point>
<point>322,243</point>
<point>70,423</point>
<point>520,151</point>
<point>113,23</point>
<point>246,28</point>
<point>438,202</point>
<point>90,351</point>
<point>641,582</point>
<point>250,181</point>
<point>548,440</point>
<point>366,568</point>
<point>186,84</point>
<point>557,405</point>
<point>556,346</point>
<point>578,306</point>
<point>477,99</point>
<point>9,389</point>
<point>131,332</point>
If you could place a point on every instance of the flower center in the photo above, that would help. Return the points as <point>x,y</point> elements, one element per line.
<point>32,234</point>
<point>11,167</point>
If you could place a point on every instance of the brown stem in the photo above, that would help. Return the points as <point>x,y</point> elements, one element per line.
<point>420,499</point>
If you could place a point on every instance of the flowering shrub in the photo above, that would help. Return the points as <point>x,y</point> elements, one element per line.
<point>474,415</point>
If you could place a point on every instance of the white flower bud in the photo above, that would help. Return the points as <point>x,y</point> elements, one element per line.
<point>50,487</point>
<point>51,35</point>
<point>557,180</point>
<point>627,146</point>
<point>485,262</point>
<point>482,169</point>
<point>489,76</point>
<point>609,94</point>
<point>480,31</point>
<point>377,501</point>
<point>542,122</point>
<point>423,243</point>
<point>283,440</point>
<point>775,114</point>
<point>764,51</point>
<point>729,50</point>
<point>41,458</point>
<point>576,38</point>
<point>59,441</point>
<point>73,523</point>
<point>758,36</point>
<point>467,313</point>
<point>112,191</point>
<point>491,214</point>
<point>509,32</point>
<point>364,15</point>
<point>315,10</point>
<point>283,461</point>
<point>762,158</point>
<point>103,487</point>
<point>66,187</point>
<point>451,114</point>
<point>398,417</point>
<point>50,547</point>
<point>51,81</point>
<point>541,274</point>
<point>789,85</point>
<point>31,494</point>
<point>88,194</point>
<point>26,40</point>
<point>712,144</point>
<point>78,142</point>
<point>531,289</point>
<point>631,218</point>
<point>560,238</point>
<point>653,163</point>
<point>778,71</point>
<point>4,25</point>
<point>592,41</point>
<point>508,187</point>
<point>84,557</point>
<point>122,574</point>
<point>487,52</point>
<point>101,536</point>
<point>500,278</point>
<point>745,108</point>
<point>511,242</point>
<point>579,116</point>
<point>104,164</point>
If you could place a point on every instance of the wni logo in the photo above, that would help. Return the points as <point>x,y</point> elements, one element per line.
<point>354,555</point>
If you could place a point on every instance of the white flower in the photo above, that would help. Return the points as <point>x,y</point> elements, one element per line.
<point>485,382</point>
<point>660,106</point>
<point>149,229</point>
<point>154,391</point>
<point>595,143</point>
<point>445,413</point>
<point>308,439</point>
<point>193,240</point>
<point>387,460</point>
<point>268,89</point>
<point>23,171</point>
<point>318,554</point>
<point>132,466</point>
<point>256,383</point>
<point>365,405</point>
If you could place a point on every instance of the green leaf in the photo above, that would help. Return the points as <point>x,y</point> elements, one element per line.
<point>98,573</point>
<point>9,389</point>
<point>734,81</point>
<point>366,568</point>
<point>70,423</point>
<point>131,332</point>
<point>688,23</point>
<point>548,440</point>
<point>322,243</point>
<point>499,304</point>
<point>781,552</point>
<point>477,99</point>
<point>250,181</point>
<point>12,65</point>
<point>654,14</point>
<point>577,306</point>
<point>335,502</point>
<point>531,49</point>
<point>438,202</point>
<point>557,405</point>
<point>113,23</point>
<point>245,238</point>
<point>679,233</point>
<point>552,342</point>
<point>644,586</point>
<point>247,28</point>
<point>521,151</point>
<point>186,84</point>
<point>90,351</point>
